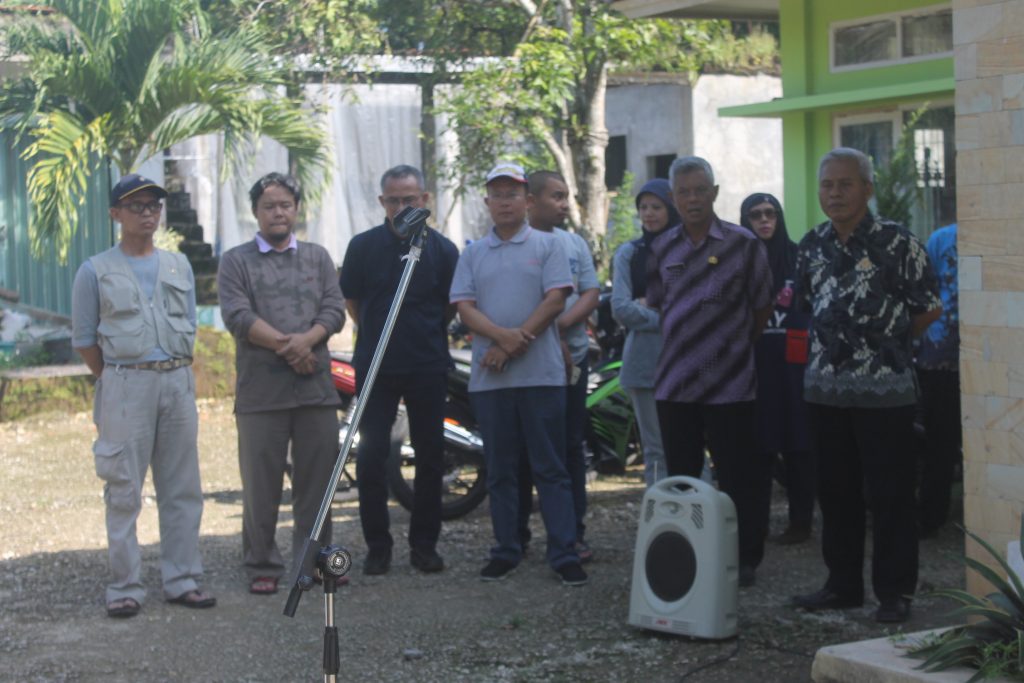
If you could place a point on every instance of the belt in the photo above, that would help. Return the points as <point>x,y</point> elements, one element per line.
<point>158,365</point>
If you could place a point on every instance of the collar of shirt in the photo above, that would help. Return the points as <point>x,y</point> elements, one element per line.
<point>494,241</point>
<point>679,232</point>
<point>265,246</point>
<point>859,233</point>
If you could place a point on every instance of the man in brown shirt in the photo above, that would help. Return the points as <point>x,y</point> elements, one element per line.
<point>280,299</point>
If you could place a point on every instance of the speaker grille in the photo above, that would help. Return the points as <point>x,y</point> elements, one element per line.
<point>671,566</point>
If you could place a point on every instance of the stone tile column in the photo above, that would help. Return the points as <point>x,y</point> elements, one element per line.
<point>988,38</point>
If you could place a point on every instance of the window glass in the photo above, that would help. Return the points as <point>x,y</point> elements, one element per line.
<point>874,139</point>
<point>928,34</point>
<point>871,42</point>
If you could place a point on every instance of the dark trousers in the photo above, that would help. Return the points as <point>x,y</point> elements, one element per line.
<point>940,391</point>
<point>531,419</point>
<point>575,463</point>
<point>872,446</point>
<point>424,396</point>
<point>798,471</point>
<point>727,430</point>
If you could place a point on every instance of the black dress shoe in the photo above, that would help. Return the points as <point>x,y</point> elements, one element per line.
<point>427,561</point>
<point>894,611</point>
<point>377,562</point>
<point>826,598</point>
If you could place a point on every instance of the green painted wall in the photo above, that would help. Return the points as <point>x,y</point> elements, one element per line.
<point>804,47</point>
<point>45,283</point>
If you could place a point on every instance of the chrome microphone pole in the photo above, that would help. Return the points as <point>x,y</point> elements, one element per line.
<point>334,560</point>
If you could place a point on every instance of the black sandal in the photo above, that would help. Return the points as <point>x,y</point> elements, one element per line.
<point>194,599</point>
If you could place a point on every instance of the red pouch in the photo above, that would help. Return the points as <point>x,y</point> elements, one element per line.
<point>796,347</point>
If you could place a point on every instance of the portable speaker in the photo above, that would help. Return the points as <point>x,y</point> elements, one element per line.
<point>685,567</point>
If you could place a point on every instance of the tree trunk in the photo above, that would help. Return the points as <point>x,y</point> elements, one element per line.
<point>589,150</point>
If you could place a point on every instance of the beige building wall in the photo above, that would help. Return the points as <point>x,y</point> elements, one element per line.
<point>988,37</point>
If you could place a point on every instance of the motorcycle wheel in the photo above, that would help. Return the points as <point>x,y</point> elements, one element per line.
<point>464,482</point>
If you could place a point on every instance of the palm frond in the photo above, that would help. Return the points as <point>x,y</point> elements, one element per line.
<point>64,151</point>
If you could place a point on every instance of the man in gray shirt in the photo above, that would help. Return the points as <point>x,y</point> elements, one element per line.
<point>134,321</point>
<point>510,287</point>
<point>547,209</point>
<point>280,299</point>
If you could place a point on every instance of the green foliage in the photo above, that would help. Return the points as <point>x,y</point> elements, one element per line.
<point>125,79</point>
<point>325,33</point>
<point>896,183</point>
<point>167,239</point>
<point>621,226</point>
<point>213,365</point>
<point>993,644</point>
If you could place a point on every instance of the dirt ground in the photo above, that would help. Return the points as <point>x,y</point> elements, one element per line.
<point>404,626</point>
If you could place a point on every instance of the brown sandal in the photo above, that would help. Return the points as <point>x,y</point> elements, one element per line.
<point>123,608</point>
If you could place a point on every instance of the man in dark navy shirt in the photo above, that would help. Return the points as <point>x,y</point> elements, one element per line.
<point>414,368</point>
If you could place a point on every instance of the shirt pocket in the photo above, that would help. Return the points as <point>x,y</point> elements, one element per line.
<point>177,296</point>
<point>124,337</point>
<point>119,297</point>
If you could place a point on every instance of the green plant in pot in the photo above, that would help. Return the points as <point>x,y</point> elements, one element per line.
<point>993,644</point>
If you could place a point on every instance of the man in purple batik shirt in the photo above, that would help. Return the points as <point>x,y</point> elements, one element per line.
<point>711,281</point>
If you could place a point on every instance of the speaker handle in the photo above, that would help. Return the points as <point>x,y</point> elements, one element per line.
<point>674,484</point>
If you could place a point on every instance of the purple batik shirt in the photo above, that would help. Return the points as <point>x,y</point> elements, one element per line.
<point>707,294</point>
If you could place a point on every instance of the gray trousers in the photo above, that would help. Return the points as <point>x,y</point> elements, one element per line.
<point>148,419</point>
<point>263,440</point>
<point>646,410</point>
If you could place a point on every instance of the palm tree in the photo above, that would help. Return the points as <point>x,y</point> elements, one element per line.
<point>125,79</point>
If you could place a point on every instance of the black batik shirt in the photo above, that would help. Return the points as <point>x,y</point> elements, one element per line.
<point>862,296</point>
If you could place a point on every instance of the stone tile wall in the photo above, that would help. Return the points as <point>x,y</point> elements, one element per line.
<point>988,38</point>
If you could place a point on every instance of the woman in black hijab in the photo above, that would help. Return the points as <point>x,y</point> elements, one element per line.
<point>780,355</point>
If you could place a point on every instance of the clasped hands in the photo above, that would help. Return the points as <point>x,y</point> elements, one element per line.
<point>510,343</point>
<point>297,352</point>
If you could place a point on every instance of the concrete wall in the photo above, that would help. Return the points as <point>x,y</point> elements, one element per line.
<point>988,37</point>
<point>658,119</point>
<point>746,153</point>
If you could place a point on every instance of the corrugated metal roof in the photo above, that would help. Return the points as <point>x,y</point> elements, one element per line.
<point>45,283</point>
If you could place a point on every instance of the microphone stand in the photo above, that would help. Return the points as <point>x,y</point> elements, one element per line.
<point>329,561</point>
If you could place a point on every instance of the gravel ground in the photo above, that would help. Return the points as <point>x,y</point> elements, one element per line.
<point>404,626</point>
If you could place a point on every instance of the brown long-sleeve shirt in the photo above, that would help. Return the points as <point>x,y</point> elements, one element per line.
<point>291,291</point>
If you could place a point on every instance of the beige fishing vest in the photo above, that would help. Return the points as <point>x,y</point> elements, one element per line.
<point>130,326</point>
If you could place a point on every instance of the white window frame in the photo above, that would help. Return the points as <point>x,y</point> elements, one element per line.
<point>892,114</point>
<point>893,16</point>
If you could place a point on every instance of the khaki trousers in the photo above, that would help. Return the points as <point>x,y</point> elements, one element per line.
<point>148,419</point>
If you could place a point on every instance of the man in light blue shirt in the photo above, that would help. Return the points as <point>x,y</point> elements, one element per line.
<point>547,209</point>
<point>509,288</point>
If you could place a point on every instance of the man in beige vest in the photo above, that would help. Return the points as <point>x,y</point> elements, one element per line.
<point>134,320</point>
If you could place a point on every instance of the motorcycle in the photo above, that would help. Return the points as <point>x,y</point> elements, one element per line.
<point>612,434</point>
<point>464,485</point>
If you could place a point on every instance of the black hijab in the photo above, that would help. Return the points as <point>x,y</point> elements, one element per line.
<point>781,249</point>
<point>661,190</point>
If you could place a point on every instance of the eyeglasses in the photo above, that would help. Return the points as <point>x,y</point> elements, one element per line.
<point>139,208</point>
<point>758,214</point>
<point>400,201</point>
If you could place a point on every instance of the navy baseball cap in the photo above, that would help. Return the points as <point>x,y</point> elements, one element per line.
<point>131,184</point>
